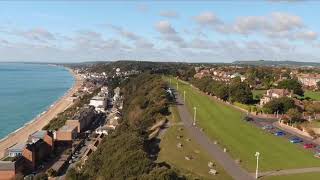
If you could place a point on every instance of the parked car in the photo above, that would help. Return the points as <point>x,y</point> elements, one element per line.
<point>317,155</point>
<point>267,127</point>
<point>247,118</point>
<point>317,148</point>
<point>309,146</point>
<point>279,133</point>
<point>295,140</point>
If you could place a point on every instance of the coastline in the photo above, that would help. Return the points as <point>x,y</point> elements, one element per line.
<point>21,134</point>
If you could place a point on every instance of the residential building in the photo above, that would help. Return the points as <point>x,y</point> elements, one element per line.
<point>309,80</point>
<point>274,93</point>
<point>99,103</point>
<point>66,134</point>
<point>7,170</point>
<point>38,147</point>
<point>15,150</point>
<point>82,119</point>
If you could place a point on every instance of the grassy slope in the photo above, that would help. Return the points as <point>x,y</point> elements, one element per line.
<point>305,176</point>
<point>225,124</point>
<point>176,157</point>
<point>313,95</point>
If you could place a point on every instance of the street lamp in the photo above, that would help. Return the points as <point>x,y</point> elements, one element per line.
<point>194,115</point>
<point>184,96</point>
<point>257,155</point>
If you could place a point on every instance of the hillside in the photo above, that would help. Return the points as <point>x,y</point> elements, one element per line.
<point>276,63</point>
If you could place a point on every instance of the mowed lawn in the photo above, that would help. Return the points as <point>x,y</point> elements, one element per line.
<point>196,168</point>
<point>224,124</point>
<point>315,95</point>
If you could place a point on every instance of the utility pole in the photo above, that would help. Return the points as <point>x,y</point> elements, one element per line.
<point>184,96</point>
<point>257,168</point>
<point>194,115</point>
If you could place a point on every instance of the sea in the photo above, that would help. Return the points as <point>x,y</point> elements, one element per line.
<point>27,90</point>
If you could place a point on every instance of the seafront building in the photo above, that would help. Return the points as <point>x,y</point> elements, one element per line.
<point>25,158</point>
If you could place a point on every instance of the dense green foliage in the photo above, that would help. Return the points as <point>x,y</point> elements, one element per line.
<point>169,68</point>
<point>294,115</point>
<point>125,153</point>
<point>280,105</point>
<point>292,84</point>
<point>235,91</point>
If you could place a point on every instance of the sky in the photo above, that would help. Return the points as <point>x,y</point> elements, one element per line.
<point>184,31</point>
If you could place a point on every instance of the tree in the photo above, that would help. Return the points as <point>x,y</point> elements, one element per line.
<point>312,107</point>
<point>280,105</point>
<point>40,176</point>
<point>294,115</point>
<point>240,92</point>
<point>318,85</point>
<point>292,84</point>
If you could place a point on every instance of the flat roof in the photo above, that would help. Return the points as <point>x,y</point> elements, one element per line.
<point>17,147</point>
<point>7,165</point>
<point>39,134</point>
<point>67,128</point>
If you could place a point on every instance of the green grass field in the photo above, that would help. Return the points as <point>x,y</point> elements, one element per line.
<point>225,124</point>
<point>304,176</point>
<point>193,169</point>
<point>257,93</point>
<point>315,95</point>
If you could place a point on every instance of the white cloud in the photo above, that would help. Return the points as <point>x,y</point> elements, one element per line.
<point>165,27</point>
<point>276,24</point>
<point>37,34</point>
<point>207,18</point>
<point>169,14</point>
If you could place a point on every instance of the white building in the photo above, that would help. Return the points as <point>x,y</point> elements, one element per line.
<point>15,150</point>
<point>102,130</point>
<point>99,103</point>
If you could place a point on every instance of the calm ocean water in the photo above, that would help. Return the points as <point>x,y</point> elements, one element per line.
<point>27,90</point>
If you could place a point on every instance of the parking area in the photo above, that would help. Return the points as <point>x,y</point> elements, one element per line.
<point>268,126</point>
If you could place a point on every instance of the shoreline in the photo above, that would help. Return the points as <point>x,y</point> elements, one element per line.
<point>21,134</point>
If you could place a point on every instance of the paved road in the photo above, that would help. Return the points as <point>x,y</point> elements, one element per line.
<point>290,171</point>
<point>224,159</point>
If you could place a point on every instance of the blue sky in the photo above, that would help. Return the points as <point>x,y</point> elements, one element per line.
<point>191,31</point>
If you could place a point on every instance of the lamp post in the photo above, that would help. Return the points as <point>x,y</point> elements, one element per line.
<point>257,155</point>
<point>194,115</point>
<point>184,96</point>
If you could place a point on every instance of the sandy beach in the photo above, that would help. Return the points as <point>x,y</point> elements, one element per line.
<point>21,135</point>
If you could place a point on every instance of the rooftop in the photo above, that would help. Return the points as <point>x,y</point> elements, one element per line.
<point>7,165</point>
<point>17,147</point>
<point>67,128</point>
<point>39,134</point>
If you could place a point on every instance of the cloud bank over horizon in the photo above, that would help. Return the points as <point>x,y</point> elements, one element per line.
<point>205,32</point>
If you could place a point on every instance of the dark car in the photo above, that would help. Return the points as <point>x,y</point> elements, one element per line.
<point>247,118</point>
<point>279,133</point>
<point>295,140</point>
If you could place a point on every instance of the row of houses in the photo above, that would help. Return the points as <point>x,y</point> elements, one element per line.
<point>217,74</point>
<point>309,80</point>
<point>28,157</point>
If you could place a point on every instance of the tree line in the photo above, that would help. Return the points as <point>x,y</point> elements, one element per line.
<point>125,153</point>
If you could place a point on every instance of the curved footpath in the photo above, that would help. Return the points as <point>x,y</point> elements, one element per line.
<point>22,135</point>
<point>224,159</point>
